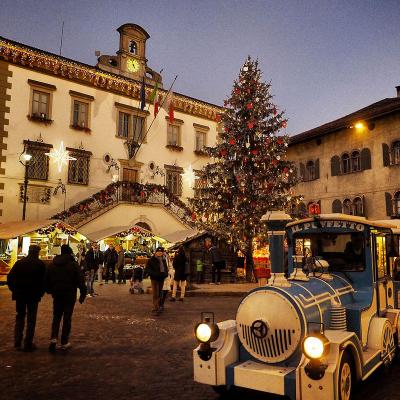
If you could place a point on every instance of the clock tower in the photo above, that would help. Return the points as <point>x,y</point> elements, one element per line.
<point>130,60</point>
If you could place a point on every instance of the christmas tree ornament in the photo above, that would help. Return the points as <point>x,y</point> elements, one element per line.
<point>250,125</point>
<point>249,106</point>
<point>232,141</point>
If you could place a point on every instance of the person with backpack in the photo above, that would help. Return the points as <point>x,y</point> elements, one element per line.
<point>62,281</point>
<point>26,282</point>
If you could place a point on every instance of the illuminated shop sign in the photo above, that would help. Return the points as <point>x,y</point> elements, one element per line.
<point>328,224</point>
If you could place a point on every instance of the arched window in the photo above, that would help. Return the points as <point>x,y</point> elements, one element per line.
<point>396,152</point>
<point>358,206</point>
<point>310,171</point>
<point>396,203</point>
<point>347,207</point>
<point>355,161</point>
<point>346,164</point>
<point>132,47</point>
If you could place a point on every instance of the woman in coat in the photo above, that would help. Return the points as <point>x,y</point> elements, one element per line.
<point>181,273</point>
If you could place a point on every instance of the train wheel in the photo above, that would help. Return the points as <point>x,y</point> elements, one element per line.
<point>345,377</point>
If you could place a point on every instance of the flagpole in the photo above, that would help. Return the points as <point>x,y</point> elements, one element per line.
<point>148,129</point>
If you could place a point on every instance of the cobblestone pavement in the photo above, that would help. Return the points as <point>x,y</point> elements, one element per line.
<point>121,352</point>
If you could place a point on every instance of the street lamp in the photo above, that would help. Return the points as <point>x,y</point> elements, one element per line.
<point>25,159</point>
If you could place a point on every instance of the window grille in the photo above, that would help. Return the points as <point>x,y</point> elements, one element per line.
<point>174,182</point>
<point>199,184</point>
<point>38,166</point>
<point>78,170</point>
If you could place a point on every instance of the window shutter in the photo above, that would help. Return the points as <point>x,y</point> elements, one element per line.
<point>317,168</point>
<point>335,166</point>
<point>336,206</point>
<point>365,159</point>
<point>389,205</point>
<point>302,172</point>
<point>364,211</point>
<point>385,155</point>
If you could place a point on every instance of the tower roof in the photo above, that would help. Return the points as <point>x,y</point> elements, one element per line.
<point>123,27</point>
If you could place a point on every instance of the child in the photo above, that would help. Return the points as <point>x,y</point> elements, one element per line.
<point>167,283</point>
<point>199,270</point>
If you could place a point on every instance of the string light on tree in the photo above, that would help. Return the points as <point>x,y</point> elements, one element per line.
<point>60,156</point>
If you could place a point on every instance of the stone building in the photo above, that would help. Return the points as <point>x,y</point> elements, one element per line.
<point>351,165</point>
<point>49,103</point>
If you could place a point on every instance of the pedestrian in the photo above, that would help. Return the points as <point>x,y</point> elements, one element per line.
<point>110,260</point>
<point>26,282</point>
<point>181,273</point>
<point>157,270</point>
<point>217,264</point>
<point>63,279</point>
<point>199,271</point>
<point>121,265</point>
<point>81,255</point>
<point>168,281</point>
<point>93,261</point>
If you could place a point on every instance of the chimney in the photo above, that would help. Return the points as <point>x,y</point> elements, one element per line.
<point>398,91</point>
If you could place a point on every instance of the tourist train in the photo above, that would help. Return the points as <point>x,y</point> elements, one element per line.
<point>327,318</point>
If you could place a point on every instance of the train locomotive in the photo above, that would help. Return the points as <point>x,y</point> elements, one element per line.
<point>330,320</point>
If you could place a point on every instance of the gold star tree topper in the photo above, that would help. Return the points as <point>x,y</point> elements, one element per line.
<point>60,156</point>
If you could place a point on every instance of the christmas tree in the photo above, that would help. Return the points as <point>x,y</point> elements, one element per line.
<point>250,175</point>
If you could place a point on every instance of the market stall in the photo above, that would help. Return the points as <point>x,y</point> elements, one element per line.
<point>16,237</point>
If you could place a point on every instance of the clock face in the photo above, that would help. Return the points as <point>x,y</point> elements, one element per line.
<point>132,65</point>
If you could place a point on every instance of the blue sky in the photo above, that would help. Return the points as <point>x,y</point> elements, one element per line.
<point>325,58</point>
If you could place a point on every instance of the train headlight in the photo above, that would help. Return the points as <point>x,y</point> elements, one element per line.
<point>203,332</point>
<point>315,346</point>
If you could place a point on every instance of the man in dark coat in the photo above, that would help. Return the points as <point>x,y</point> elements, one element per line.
<point>26,282</point>
<point>63,279</point>
<point>217,264</point>
<point>93,258</point>
<point>180,264</point>
<point>157,269</point>
<point>110,260</point>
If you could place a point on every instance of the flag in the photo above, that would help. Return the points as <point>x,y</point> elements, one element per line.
<point>168,106</point>
<point>154,99</point>
<point>142,96</point>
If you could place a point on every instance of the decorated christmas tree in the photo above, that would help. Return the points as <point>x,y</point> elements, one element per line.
<point>250,175</point>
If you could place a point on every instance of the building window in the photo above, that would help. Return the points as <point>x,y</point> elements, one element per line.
<point>138,129</point>
<point>346,164</point>
<point>174,135</point>
<point>200,140</point>
<point>80,114</point>
<point>38,166</point>
<point>174,181</point>
<point>396,203</point>
<point>355,161</point>
<point>123,124</point>
<point>396,152</point>
<point>358,206</point>
<point>347,207</point>
<point>78,170</point>
<point>40,104</point>
<point>199,185</point>
<point>310,171</point>
<point>132,47</point>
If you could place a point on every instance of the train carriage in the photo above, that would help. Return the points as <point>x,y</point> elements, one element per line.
<point>327,320</point>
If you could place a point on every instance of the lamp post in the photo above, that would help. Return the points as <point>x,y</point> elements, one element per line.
<point>25,159</point>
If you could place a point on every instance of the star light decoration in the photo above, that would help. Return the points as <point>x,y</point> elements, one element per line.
<point>60,156</point>
<point>189,176</point>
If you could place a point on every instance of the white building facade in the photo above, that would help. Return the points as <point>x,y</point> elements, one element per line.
<point>47,101</point>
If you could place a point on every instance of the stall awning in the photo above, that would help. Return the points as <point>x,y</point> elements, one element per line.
<point>115,230</point>
<point>11,230</point>
<point>180,236</point>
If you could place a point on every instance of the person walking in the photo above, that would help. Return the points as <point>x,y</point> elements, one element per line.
<point>199,270</point>
<point>157,270</point>
<point>121,265</point>
<point>62,281</point>
<point>181,273</point>
<point>81,255</point>
<point>168,281</point>
<point>217,264</point>
<point>93,260</point>
<point>26,282</point>
<point>110,260</point>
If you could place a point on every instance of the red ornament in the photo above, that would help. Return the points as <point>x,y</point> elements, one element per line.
<point>218,117</point>
<point>194,217</point>
<point>250,125</point>
<point>226,129</point>
<point>223,153</point>
<point>232,141</point>
<point>142,194</point>
<point>237,91</point>
<point>280,141</point>
<point>255,152</point>
<point>267,140</point>
<point>249,106</point>
<point>285,170</point>
<point>275,111</point>
<point>274,163</point>
<point>284,124</point>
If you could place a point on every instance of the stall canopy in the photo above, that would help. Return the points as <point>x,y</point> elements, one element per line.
<point>180,236</point>
<point>116,230</point>
<point>11,230</point>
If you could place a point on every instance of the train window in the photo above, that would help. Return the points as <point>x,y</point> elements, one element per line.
<point>381,260</point>
<point>342,251</point>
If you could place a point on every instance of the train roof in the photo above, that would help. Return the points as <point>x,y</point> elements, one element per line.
<point>349,218</point>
